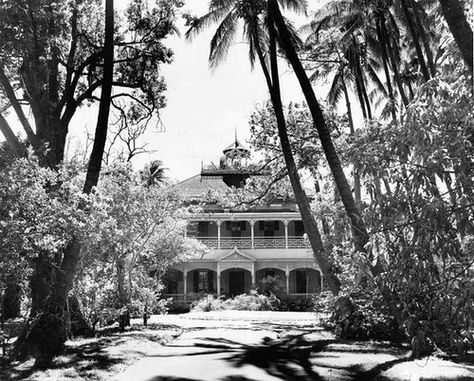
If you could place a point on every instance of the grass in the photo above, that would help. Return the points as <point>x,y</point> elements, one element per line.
<point>99,358</point>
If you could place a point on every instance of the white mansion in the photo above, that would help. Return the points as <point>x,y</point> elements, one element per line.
<point>245,246</point>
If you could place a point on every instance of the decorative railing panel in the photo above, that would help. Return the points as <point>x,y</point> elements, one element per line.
<point>269,242</point>
<point>297,242</point>
<point>241,243</point>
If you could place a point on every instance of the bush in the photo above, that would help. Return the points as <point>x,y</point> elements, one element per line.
<point>251,302</point>
<point>179,307</point>
<point>272,285</point>
<point>296,303</point>
<point>208,303</point>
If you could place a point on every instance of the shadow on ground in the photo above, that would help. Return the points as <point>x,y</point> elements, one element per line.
<point>84,357</point>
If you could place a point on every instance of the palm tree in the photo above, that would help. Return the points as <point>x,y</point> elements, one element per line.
<point>252,13</point>
<point>153,173</point>
<point>453,13</point>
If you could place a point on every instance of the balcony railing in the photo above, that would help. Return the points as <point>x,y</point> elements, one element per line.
<point>258,242</point>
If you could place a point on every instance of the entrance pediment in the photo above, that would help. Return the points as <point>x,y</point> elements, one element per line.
<point>236,255</point>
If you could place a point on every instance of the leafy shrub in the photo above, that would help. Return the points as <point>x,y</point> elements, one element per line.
<point>296,303</point>
<point>208,303</point>
<point>272,285</point>
<point>253,302</point>
<point>179,307</point>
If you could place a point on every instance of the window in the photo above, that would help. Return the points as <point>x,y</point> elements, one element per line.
<point>203,281</point>
<point>269,227</point>
<point>236,228</point>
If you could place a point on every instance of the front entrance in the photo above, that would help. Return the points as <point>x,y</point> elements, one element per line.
<point>236,282</point>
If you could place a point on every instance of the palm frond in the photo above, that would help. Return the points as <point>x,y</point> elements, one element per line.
<point>379,86</point>
<point>257,37</point>
<point>336,90</point>
<point>222,39</point>
<point>201,23</point>
<point>298,6</point>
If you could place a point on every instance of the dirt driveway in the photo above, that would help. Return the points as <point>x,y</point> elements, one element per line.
<point>258,346</point>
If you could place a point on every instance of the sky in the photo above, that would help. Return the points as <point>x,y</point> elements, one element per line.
<point>204,107</point>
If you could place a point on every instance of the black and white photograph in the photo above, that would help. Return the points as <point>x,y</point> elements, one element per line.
<point>236,190</point>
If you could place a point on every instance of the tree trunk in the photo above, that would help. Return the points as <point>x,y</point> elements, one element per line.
<point>357,186</point>
<point>10,93</point>
<point>95,161</point>
<point>300,195</point>
<point>46,335</point>
<point>424,39</point>
<point>12,299</point>
<point>393,61</point>
<point>11,138</point>
<point>359,230</point>
<point>416,42</point>
<point>453,13</point>
<point>383,46</point>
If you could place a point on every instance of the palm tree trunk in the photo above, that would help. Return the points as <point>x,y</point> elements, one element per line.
<point>359,230</point>
<point>385,68</point>
<point>424,39</point>
<point>357,186</point>
<point>415,39</point>
<point>95,161</point>
<point>394,64</point>
<point>453,13</point>
<point>300,195</point>
<point>46,335</point>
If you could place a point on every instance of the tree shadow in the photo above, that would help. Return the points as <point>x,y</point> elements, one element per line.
<point>86,356</point>
<point>287,359</point>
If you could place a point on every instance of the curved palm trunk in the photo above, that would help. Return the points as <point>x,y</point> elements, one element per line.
<point>357,186</point>
<point>359,230</point>
<point>95,161</point>
<point>300,195</point>
<point>453,13</point>
<point>423,37</point>
<point>416,41</point>
<point>394,64</point>
<point>385,67</point>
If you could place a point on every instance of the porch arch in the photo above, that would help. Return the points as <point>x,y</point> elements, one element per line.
<point>235,281</point>
<point>304,280</point>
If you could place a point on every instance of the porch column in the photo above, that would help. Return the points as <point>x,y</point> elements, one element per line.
<point>286,222</point>
<point>287,278</point>
<point>185,279</point>
<point>218,279</point>
<point>252,233</point>
<point>321,276</point>
<point>218,222</point>
<point>253,274</point>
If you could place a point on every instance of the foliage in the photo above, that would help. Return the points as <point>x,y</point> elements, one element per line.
<point>38,214</point>
<point>271,285</point>
<point>245,302</point>
<point>53,53</point>
<point>136,232</point>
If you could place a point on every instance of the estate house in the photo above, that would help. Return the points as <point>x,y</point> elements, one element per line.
<point>245,246</point>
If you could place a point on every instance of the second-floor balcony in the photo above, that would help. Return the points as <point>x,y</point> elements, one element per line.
<point>257,231</point>
<point>255,243</point>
